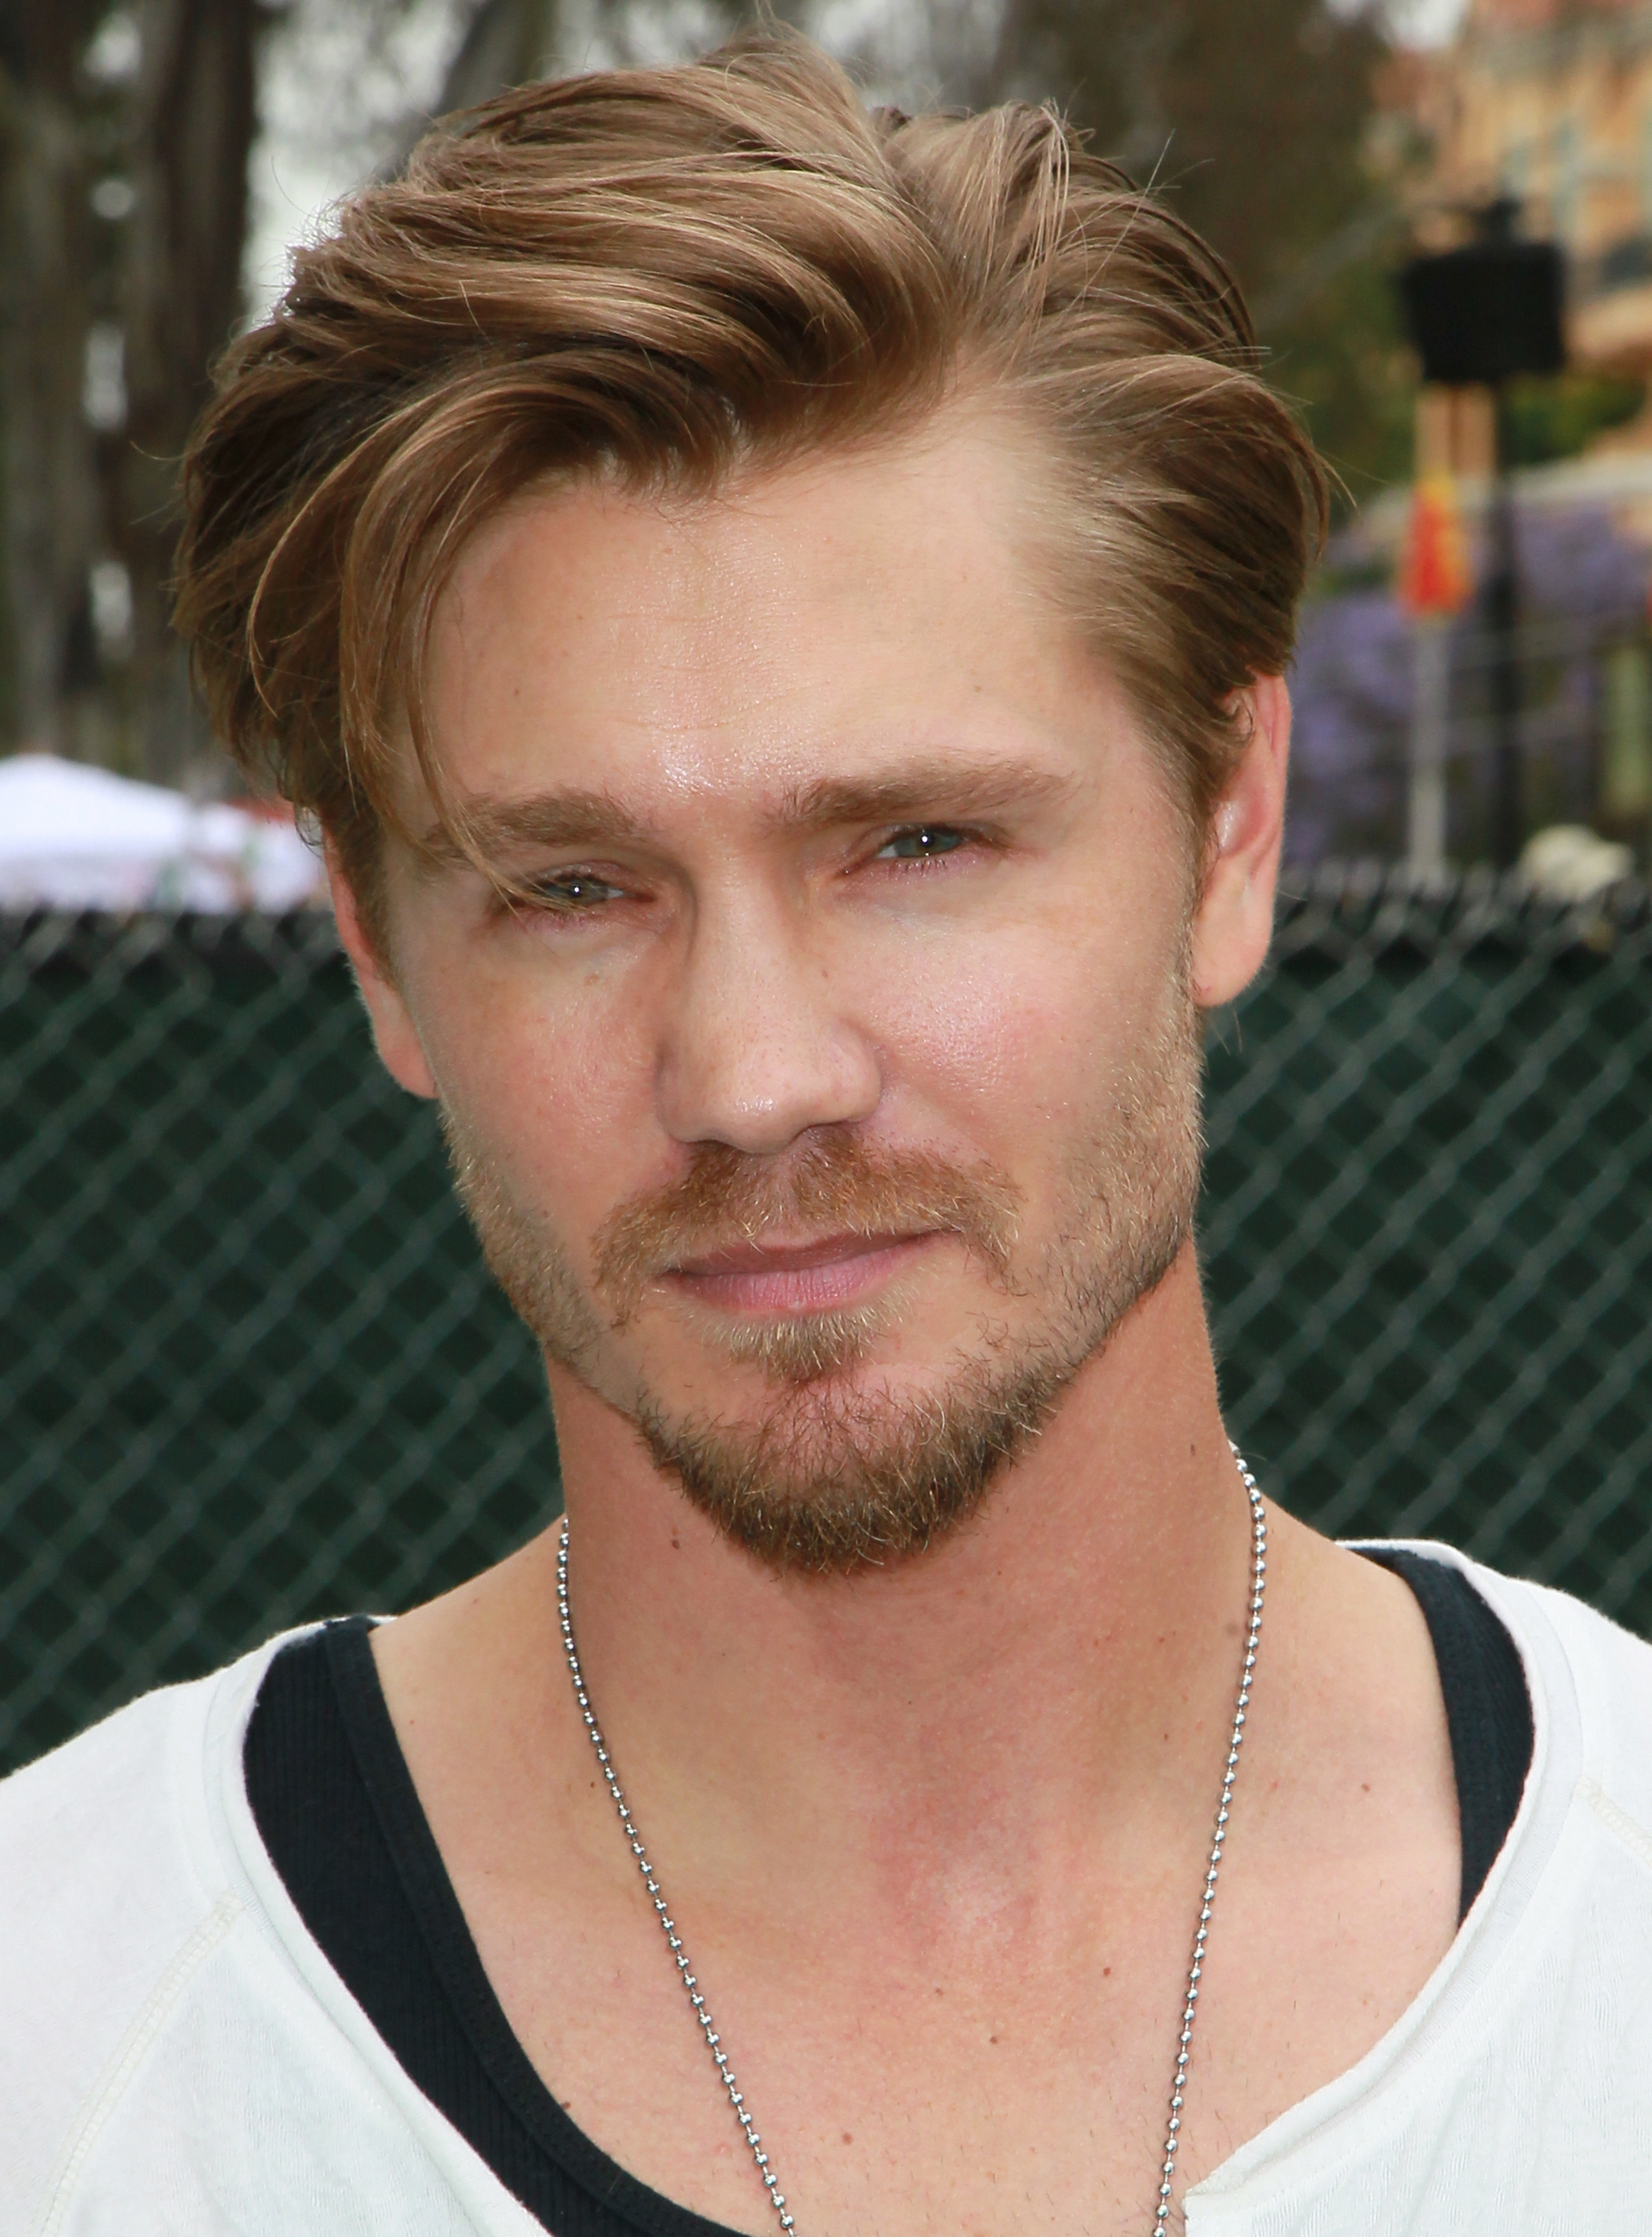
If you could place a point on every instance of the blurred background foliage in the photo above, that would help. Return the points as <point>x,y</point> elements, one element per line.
<point>157,157</point>
<point>1556,419</point>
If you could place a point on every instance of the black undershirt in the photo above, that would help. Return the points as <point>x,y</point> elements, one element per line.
<point>337,1809</point>
<point>1488,1710</point>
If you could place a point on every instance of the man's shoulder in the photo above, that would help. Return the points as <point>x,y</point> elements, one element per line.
<point>125,1800</point>
<point>1610,1670</point>
<point>1531,1609</point>
<point>1590,1679</point>
<point>109,1850</point>
<point>1610,1665</point>
<point>116,1893</point>
<point>176,2057</point>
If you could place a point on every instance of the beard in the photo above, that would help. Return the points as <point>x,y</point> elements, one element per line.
<point>836,1472</point>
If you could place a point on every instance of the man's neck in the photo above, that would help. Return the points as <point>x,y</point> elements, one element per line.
<point>1049,1665</point>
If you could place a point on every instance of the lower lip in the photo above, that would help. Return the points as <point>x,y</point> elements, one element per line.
<point>830,1285</point>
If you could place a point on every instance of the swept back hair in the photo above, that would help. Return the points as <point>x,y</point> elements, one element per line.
<point>665,277</point>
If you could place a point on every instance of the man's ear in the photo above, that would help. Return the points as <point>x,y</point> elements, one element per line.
<point>400,1048</point>
<point>1235,920</point>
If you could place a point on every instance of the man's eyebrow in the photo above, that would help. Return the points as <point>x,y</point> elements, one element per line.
<point>931,789</point>
<point>547,820</point>
<point>557,821</point>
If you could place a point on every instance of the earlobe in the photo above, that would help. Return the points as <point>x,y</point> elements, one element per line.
<point>1233,923</point>
<point>394,1033</point>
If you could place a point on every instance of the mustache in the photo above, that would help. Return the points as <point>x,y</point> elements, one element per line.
<point>837,1184</point>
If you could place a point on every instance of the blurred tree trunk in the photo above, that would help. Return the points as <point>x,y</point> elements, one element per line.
<point>157,290</point>
<point>51,496</point>
<point>192,123</point>
<point>506,44</point>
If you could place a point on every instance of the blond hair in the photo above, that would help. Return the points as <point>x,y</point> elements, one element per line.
<point>665,275</point>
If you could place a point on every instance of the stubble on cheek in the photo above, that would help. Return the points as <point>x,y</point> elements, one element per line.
<point>524,1253</point>
<point>1131,1186</point>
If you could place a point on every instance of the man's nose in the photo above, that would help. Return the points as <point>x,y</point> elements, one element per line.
<point>759,1046</point>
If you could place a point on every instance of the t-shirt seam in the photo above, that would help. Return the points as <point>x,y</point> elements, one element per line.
<point>1629,1831</point>
<point>97,2108</point>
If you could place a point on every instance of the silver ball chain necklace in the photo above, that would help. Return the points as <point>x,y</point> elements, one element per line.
<point>680,1956</point>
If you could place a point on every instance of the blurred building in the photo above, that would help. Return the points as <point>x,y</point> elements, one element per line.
<point>1550,101</point>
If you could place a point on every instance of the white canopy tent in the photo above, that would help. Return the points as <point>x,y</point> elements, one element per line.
<point>74,837</point>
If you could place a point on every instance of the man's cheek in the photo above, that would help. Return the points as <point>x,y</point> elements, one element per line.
<point>1003,1055</point>
<point>556,1083</point>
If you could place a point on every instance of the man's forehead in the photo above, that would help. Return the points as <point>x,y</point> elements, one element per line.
<point>930,510</point>
<point>847,627</point>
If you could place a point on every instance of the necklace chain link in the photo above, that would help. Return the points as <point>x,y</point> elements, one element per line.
<point>680,1956</point>
<point>662,1909</point>
<point>1190,2005</point>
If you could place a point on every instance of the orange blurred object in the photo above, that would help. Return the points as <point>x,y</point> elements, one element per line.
<point>1434,576</point>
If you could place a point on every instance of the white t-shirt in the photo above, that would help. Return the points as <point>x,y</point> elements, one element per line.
<point>177,2057</point>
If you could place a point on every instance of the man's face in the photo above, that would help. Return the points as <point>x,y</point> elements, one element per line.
<point>840,1092</point>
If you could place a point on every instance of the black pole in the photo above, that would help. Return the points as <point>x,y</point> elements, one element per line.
<point>1502,624</point>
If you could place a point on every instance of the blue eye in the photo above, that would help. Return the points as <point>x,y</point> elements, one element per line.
<point>919,844</point>
<point>575,890</point>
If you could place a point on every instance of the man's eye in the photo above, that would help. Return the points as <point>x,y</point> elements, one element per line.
<point>922,841</point>
<point>574,890</point>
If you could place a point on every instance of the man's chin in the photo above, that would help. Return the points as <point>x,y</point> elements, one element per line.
<point>762,1380</point>
<point>853,1466</point>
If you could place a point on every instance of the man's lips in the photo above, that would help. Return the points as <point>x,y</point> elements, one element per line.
<point>824,1275</point>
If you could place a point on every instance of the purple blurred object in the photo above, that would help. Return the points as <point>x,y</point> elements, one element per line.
<point>1584,585</point>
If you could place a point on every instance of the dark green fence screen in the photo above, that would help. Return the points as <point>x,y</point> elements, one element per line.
<point>252,1369</point>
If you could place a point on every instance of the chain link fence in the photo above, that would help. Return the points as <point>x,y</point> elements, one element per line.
<point>252,1369</point>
